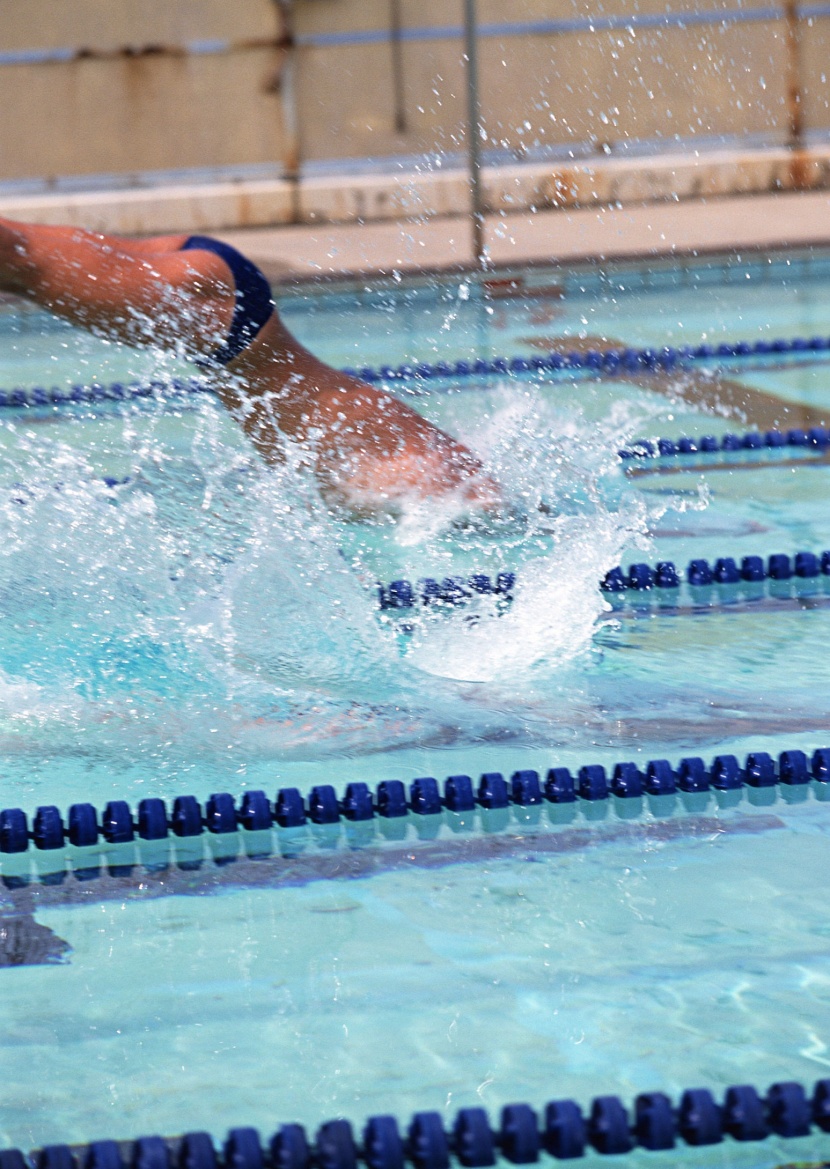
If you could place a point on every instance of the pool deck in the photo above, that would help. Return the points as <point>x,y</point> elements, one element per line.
<point>732,224</point>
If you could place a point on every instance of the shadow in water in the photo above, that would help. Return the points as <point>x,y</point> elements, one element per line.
<point>25,943</point>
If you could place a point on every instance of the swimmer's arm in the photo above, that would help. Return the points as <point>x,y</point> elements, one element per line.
<point>140,292</point>
<point>367,446</point>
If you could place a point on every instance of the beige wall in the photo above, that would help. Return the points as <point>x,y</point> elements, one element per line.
<point>128,115</point>
<point>572,88</point>
<point>609,86</point>
<point>135,99</point>
<point>814,43</point>
<point>102,24</point>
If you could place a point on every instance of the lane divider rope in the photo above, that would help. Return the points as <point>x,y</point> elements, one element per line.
<point>452,590</point>
<point>803,441</point>
<point>779,574</point>
<point>564,1131</point>
<point>221,815</point>
<point>40,396</point>
<point>607,362</point>
<point>805,571</point>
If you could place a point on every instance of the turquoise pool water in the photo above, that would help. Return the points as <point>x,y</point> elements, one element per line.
<point>205,625</point>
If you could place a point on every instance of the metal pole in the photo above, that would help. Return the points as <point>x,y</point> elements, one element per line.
<point>285,83</point>
<point>474,132</point>
<point>799,159</point>
<point>397,68</point>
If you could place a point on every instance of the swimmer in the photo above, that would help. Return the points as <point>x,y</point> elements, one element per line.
<point>705,389</point>
<point>201,298</point>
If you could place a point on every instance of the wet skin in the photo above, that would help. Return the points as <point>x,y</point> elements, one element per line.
<point>707,389</point>
<point>370,452</point>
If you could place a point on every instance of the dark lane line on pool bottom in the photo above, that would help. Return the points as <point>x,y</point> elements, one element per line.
<point>25,942</point>
<point>136,882</point>
<point>821,460</point>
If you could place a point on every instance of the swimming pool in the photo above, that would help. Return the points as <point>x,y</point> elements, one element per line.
<point>178,621</point>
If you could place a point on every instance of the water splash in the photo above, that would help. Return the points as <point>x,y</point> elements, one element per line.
<point>210,611</point>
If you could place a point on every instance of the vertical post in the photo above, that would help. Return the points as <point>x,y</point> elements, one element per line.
<point>799,161</point>
<point>397,67</point>
<point>285,83</point>
<point>795,118</point>
<point>474,132</point>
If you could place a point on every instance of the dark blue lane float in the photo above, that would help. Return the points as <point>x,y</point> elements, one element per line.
<point>596,363</point>
<point>562,1130</point>
<point>609,362</point>
<point>808,442</point>
<point>778,573</point>
<point>751,577</point>
<point>39,397</point>
<point>221,815</point>
<point>450,591</point>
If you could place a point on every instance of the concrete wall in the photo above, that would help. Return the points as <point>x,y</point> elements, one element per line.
<point>132,94</point>
<point>552,90</point>
<point>126,87</point>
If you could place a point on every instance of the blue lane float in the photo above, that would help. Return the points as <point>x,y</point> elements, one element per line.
<point>749,576</point>
<point>814,439</point>
<point>85,826</point>
<point>42,396</point>
<point>561,1129</point>
<point>598,363</point>
<point>449,591</point>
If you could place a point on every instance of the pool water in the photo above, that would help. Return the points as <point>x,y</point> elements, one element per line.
<point>204,624</point>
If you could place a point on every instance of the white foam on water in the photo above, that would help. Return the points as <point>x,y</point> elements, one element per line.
<point>573,515</point>
<point>211,596</point>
